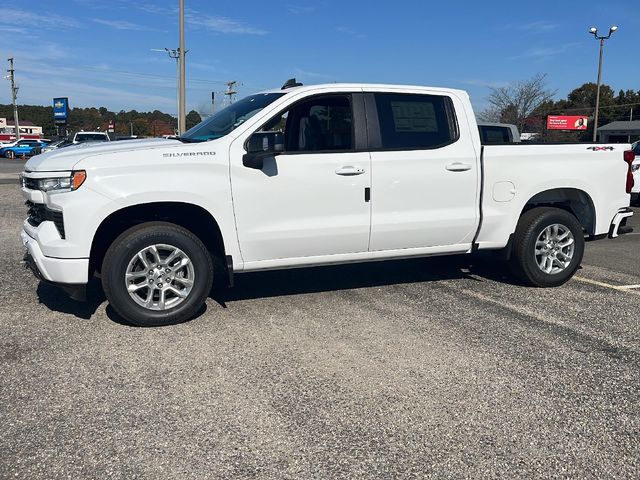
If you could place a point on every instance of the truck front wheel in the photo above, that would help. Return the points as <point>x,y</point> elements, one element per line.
<point>547,247</point>
<point>157,274</point>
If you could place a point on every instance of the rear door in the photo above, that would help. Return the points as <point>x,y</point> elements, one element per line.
<point>425,172</point>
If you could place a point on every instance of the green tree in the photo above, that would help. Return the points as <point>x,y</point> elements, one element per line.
<point>193,118</point>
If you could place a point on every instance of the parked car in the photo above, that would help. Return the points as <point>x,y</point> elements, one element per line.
<point>635,191</point>
<point>57,144</point>
<point>81,137</point>
<point>19,148</point>
<point>498,133</point>
<point>307,176</point>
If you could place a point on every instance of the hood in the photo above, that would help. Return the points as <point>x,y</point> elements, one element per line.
<point>64,159</point>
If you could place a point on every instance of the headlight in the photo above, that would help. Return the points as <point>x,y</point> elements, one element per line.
<point>68,183</point>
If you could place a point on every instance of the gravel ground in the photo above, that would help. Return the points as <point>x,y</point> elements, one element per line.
<point>431,368</point>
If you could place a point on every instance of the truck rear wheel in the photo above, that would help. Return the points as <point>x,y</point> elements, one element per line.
<point>10,154</point>
<point>547,247</point>
<point>157,274</point>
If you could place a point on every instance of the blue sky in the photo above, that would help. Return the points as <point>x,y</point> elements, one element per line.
<point>99,52</point>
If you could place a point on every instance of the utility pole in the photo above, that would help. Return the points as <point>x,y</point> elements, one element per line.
<point>231,91</point>
<point>14,97</point>
<point>182,113</point>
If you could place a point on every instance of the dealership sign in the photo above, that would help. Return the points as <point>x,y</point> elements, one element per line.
<point>60,110</point>
<point>566,122</point>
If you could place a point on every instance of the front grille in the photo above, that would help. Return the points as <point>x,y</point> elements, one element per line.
<point>39,213</point>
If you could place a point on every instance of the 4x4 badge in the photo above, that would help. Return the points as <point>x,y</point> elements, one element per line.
<point>600,149</point>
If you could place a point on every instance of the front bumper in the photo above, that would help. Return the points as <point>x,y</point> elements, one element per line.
<point>619,223</point>
<point>55,270</point>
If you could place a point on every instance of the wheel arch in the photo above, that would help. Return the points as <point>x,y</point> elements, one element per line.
<point>193,217</point>
<point>573,200</point>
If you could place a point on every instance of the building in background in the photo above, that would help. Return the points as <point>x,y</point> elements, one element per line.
<point>27,130</point>
<point>620,132</point>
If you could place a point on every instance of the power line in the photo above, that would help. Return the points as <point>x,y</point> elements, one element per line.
<point>581,109</point>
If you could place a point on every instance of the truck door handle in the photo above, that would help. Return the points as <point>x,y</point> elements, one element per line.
<point>458,167</point>
<point>349,171</point>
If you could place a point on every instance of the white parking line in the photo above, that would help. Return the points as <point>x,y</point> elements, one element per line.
<point>620,288</point>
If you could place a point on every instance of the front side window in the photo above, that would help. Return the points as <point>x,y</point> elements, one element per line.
<point>319,124</point>
<point>413,122</point>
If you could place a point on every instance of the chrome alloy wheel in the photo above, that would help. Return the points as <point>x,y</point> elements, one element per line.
<point>160,277</point>
<point>554,249</point>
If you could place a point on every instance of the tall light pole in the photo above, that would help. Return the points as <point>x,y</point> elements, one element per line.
<point>182,112</point>
<point>594,32</point>
<point>175,54</point>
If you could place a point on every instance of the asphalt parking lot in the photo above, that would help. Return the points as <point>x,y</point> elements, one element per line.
<point>430,368</point>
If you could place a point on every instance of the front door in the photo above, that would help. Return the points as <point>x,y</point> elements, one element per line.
<point>309,200</point>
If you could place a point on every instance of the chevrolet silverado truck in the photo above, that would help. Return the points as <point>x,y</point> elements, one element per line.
<point>309,176</point>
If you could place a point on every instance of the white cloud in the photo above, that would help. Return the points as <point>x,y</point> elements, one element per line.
<point>541,53</point>
<point>308,74</point>
<point>13,30</point>
<point>484,83</point>
<point>300,9</point>
<point>222,24</point>
<point>15,16</point>
<point>540,25</point>
<point>350,31</point>
<point>120,24</point>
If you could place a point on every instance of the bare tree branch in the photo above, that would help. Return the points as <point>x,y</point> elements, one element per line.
<point>517,101</point>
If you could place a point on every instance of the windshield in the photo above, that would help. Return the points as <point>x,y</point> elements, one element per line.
<point>227,120</point>
<point>85,137</point>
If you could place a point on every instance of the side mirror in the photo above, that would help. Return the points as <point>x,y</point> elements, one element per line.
<point>266,142</point>
<point>261,145</point>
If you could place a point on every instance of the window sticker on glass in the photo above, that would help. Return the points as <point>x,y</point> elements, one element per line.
<point>414,117</point>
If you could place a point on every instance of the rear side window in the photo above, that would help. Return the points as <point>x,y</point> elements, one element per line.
<point>490,134</point>
<point>415,122</point>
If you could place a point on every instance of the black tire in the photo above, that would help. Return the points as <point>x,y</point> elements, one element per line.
<point>124,249</point>
<point>523,261</point>
<point>10,154</point>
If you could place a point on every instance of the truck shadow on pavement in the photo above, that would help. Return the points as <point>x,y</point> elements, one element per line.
<point>57,300</point>
<point>362,275</point>
<point>307,280</point>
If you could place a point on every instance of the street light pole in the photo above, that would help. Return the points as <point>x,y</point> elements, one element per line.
<point>182,113</point>
<point>594,32</point>
<point>175,54</point>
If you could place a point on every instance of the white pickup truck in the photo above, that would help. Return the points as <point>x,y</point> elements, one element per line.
<point>312,175</point>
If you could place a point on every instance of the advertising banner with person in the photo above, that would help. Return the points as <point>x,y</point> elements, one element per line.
<point>567,122</point>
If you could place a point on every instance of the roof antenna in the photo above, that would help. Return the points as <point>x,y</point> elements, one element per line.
<point>291,83</point>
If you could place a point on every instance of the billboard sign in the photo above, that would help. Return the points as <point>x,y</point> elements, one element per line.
<point>60,110</point>
<point>567,122</point>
